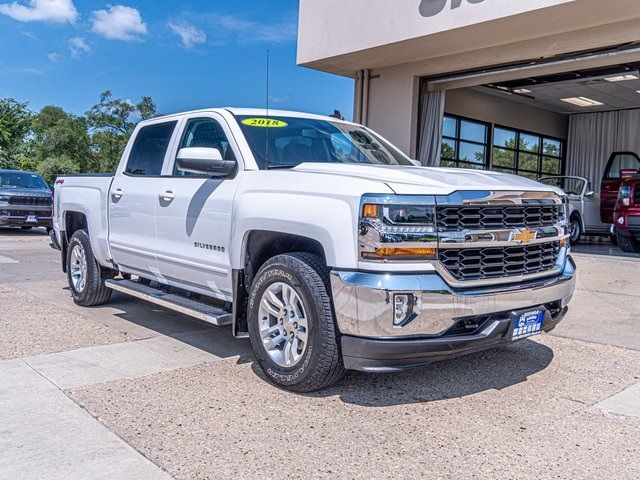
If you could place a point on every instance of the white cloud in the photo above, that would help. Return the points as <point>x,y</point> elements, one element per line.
<point>53,57</point>
<point>78,45</point>
<point>248,31</point>
<point>119,23</point>
<point>56,11</point>
<point>189,35</point>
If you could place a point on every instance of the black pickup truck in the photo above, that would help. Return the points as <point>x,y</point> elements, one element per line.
<point>25,200</point>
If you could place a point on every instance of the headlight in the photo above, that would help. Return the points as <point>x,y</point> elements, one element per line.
<point>624,195</point>
<point>397,227</point>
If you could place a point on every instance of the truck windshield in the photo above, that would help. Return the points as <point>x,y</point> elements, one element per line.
<point>22,180</point>
<point>280,142</point>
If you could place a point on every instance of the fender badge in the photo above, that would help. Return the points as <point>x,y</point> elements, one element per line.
<point>524,236</point>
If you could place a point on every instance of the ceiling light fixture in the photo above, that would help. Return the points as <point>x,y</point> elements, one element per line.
<point>622,78</point>
<point>582,101</point>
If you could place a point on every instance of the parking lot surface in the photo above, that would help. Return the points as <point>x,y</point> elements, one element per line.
<point>130,390</point>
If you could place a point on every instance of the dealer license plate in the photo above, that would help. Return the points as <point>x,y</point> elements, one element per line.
<point>527,324</point>
<point>31,219</point>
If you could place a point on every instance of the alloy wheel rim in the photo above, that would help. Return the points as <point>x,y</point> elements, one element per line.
<point>283,325</point>
<point>78,268</point>
<point>575,229</point>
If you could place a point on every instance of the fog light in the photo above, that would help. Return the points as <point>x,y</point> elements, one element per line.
<point>404,306</point>
<point>621,220</point>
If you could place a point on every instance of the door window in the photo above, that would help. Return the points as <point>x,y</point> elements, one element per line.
<point>149,148</point>
<point>204,132</point>
<point>622,161</point>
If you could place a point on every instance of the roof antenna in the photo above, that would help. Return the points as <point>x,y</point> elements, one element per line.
<point>266,155</point>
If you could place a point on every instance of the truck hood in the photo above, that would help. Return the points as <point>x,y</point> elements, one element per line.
<point>408,180</point>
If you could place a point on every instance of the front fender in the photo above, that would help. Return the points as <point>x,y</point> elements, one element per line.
<point>330,221</point>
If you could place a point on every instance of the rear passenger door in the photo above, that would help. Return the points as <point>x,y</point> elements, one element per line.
<point>133,198</point>
<point>194,212</point>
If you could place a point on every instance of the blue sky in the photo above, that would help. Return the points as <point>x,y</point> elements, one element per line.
<point>185,54</point>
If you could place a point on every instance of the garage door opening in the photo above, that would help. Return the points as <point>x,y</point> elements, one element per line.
<point>572,123</point>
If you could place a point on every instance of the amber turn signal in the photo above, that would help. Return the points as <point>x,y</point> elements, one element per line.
<point>400,253</point>
<point>370,210</point>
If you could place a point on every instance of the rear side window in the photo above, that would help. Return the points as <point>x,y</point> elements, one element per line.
<point>149,148</point>
<point>622,161</point>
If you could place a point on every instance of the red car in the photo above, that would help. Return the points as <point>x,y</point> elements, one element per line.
<point>612,180</point>
<point>627,212</point>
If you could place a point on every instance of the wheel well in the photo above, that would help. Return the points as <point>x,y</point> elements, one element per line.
<point>73,222</point>
<point>576,214</point>
<point>262,245</point>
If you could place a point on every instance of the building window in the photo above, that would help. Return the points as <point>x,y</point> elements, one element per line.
<point>526,154</point>
<point>465,143</point>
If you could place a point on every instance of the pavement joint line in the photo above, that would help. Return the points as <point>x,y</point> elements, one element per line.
<point>591,342</point>
<point>622,294</point>
<point>94,417</point>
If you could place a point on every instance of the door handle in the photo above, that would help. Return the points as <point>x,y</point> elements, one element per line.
<point>168,195</point>
<point>117,193</point>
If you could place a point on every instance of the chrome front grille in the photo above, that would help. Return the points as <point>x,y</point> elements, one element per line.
<point>498,262</point>
<point>484,217</point>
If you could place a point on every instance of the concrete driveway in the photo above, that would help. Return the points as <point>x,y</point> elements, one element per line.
<point>129,390</point>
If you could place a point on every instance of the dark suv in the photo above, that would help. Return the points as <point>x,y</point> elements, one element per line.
<point>25,200</point>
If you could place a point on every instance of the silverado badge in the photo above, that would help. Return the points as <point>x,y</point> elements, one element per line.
<point>524,236</point>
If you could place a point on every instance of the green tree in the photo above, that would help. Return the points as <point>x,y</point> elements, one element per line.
<point>15,121</point>
<point>59,144</point>
<point>111,122</point>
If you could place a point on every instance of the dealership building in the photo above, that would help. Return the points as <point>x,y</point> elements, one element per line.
<point>532,87</point>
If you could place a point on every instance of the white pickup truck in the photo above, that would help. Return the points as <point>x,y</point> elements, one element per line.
<point>319,240</point>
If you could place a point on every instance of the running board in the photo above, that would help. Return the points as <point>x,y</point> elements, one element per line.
<point>172,301</point>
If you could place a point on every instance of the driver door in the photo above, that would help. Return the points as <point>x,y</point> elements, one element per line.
<point>193,212</point>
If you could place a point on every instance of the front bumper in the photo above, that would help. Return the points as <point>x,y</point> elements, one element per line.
<point>448,322</point>
<point>17,217</point>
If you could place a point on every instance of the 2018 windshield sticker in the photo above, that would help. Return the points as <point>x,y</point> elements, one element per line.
<point>264,122</point>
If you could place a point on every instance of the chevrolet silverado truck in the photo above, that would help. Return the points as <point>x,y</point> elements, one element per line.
<point>319,240</point>
<point>25,200</point>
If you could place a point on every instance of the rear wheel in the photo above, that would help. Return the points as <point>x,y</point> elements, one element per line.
<point>291,323</point>
<point>85,275</point>
<point>628,243</point>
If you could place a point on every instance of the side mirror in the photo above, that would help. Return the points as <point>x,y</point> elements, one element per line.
<point>204,160</point>
<point>589,194</point>
<point>628,172</point>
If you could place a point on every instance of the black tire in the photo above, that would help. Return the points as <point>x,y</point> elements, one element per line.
<point>26,227</point>
<point>627,243</point>
<point>614,239</point>
<point>94,291</point>
<point>321,363</point>
<point>576,229</point>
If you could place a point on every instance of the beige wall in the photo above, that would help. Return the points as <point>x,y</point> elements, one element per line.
<point>492,109</point>
<point>344,36</point>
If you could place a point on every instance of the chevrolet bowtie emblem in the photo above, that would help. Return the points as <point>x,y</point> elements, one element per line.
<point>525,236</point>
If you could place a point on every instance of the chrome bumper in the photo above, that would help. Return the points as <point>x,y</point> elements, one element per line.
<point>364,303</point>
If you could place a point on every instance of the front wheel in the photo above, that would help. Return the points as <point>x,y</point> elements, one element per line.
<point>576,230</point>
<point>85,275</point>
<point>628,243</point>
<point>291,323</point>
